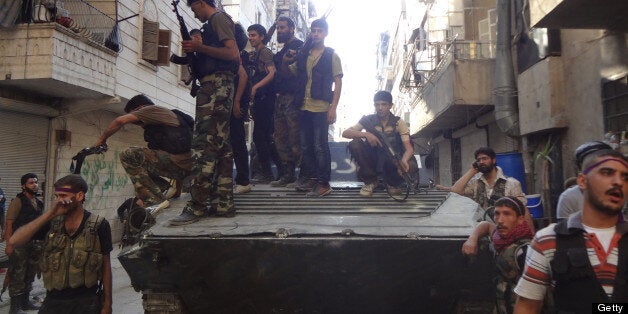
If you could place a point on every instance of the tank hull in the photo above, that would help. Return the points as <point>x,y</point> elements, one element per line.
<point>367,260</point>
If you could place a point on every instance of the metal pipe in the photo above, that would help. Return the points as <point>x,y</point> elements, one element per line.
<point>504,89</point>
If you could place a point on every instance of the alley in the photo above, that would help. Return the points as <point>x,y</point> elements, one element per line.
<point>125,299</point>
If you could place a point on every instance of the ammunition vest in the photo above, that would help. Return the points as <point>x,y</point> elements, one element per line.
<point>322,77</point>
<point>389,130</point>
<point>577,286</point>
<point>206,64</point>
<point>509,271</point>
<point>28,212</point>
<point>72,262</point>
<point>171,139</point>
<point>499,190</point>
<point>286,83</point>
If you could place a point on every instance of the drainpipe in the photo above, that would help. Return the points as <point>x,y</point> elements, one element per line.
<point>504,89</point>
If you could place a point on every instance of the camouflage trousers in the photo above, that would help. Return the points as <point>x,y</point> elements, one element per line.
<point>286,136</point>
<point>212,173</point>
<point>24,265</point>
<point>145,168</point>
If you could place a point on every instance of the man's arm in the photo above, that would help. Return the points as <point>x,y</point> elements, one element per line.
<point>11,215</point>
<point>407,154</point>
<point>242,80</point>
<point>460,185</point>
<point>525,306</point>
<point>115,126</point>
<point>331,114</point>
<point>26,232</point>
<point>268,79</point>
<point>484,228</point>
<point>355,132</point>
<point>106,281</point>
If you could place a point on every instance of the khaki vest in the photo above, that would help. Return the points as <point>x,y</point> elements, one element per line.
<point>72,263</point>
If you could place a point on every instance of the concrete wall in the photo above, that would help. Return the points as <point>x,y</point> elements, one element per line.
<point>542,96</point>
<point>108,183</point>
<point>444,162</point>
<point>582,81</point>
<point>473,81</point>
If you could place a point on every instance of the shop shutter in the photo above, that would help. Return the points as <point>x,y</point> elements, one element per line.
<point>23,149</point>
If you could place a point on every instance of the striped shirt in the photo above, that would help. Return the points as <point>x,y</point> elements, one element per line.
<point>537,274</point>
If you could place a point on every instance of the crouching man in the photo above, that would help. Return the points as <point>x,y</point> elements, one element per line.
<point>367,150</point>
<point>75,263</point>
<point>509,238</point>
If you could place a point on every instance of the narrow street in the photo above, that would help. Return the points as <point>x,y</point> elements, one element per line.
<point>125,299</point>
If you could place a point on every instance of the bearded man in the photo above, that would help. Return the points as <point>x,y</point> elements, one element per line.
<point>485,182</point>
<point>509,236</point>
<point>582,260</point>
<point>75,264</point>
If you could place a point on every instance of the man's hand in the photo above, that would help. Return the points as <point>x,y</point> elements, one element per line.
<point>404,165</point>
<point>191,45</point>
<point>470,247</point>
<point>372,139</point>
<point>8,249</point>
<point>60,207</point>
<point>331,116</point>
<point>237,112</point>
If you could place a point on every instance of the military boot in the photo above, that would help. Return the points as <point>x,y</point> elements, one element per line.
<point>287,178</point>
<point>16,305</point>
<point>27,304</point>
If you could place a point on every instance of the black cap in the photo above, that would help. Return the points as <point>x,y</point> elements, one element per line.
<point>585,149</point>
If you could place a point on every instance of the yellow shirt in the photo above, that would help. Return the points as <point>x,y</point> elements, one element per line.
<point>317,105</point>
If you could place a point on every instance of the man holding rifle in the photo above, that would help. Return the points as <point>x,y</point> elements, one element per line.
<point>368,151</point>
<point>218,61</point>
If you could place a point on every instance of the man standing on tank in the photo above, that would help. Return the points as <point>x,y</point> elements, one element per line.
<point>319,74</point>
<point>287,113</point>
<point>211,189</point>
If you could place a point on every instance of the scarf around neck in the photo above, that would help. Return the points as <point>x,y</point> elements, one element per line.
<point>521,231</point>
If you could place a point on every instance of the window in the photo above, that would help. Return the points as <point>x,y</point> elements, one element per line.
<point>615,102</point>
<point>155,47</point>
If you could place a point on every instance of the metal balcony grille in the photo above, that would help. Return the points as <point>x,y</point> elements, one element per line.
<point>78,16</point>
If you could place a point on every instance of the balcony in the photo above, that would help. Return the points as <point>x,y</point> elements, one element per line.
<point>457,91</point>
<point>541,97</point>
<point>67,52</point>
<point>578,14</point>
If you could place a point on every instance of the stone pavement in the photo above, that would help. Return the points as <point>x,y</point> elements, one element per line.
<point>125,299</point>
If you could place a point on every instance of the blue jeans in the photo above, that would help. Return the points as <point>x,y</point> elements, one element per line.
<point>314,147</point>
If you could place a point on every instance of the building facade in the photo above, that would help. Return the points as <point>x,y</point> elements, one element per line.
<point>552,81</point>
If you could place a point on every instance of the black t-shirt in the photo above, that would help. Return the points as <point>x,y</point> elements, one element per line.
<point>106,246</point>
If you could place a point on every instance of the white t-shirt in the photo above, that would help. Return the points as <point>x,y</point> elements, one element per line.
<point>604,235</point>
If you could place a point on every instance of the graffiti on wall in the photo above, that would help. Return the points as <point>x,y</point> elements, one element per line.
<point>106,180</point>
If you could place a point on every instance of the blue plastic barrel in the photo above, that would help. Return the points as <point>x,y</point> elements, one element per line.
<point>535,205</point>
<point>512,165</point>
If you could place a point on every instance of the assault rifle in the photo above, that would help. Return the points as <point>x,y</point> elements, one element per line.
<point>191,56</point>
<point>396,160</point>
<point>80,156</point>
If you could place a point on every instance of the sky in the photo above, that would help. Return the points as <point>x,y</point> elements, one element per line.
<point>354,30</point>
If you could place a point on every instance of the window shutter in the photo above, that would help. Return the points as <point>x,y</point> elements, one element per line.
<point>163,50</point>
<point>150,40</point>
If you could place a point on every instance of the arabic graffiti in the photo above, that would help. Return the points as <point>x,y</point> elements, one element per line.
<point>107,181</point>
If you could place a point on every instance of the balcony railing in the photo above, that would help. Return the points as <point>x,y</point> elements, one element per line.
<point>78,16</point>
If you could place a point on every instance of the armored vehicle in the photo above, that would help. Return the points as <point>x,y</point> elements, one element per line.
<point>285,253</point>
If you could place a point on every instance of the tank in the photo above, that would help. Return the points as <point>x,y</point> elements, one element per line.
<point>285,253</point>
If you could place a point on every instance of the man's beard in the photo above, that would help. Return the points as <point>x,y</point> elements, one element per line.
<point>599,206</point>
<point>486,169</point>
<point>30,191</point>
<point>283,38</point>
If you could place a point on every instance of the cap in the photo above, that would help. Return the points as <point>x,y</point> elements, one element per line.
<point>587,148</point>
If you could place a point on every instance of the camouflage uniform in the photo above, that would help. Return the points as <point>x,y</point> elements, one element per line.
<point>287,138</point>
<point>23,267</point>
<point>145,166</point>
<point>213,159</point>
